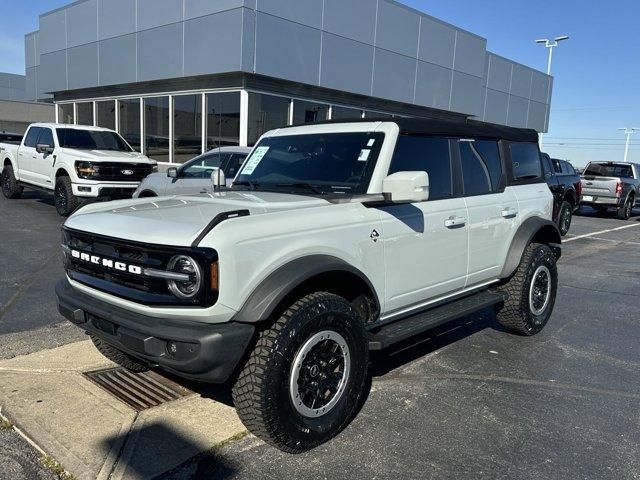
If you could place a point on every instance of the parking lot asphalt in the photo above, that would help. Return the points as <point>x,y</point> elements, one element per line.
<point>466,400</point>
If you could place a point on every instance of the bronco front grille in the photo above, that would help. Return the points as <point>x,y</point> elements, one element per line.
<point>137,257</point>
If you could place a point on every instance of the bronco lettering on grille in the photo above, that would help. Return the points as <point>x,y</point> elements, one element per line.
<point>106,263</point>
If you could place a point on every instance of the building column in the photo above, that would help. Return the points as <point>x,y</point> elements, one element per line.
<point>244,118</point>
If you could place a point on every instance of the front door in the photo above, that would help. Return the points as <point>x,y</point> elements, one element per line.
<point>426,243</point>
<point>43,162</point>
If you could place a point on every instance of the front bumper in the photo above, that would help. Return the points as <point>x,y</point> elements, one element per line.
<point>104,190</point>
<point>204,352</point>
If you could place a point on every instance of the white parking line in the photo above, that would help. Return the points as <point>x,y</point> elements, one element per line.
<point>601,232</point>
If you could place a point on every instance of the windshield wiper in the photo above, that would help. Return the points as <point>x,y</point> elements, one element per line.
<point>247,183</point>
<point>307,186</point>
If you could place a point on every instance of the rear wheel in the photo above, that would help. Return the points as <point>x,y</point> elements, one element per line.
<point>305,378</point>
<point>564,218</point>
<point>11,189</point>
<point>65,201</point>
<point>531,292</point>
<point>624,212</point>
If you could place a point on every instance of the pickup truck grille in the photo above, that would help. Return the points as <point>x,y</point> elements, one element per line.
<point>121,172</point>
<point>115,266</point>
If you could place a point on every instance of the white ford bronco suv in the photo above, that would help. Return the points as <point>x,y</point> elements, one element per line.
<point>336,239</point>
<point>74,162</point>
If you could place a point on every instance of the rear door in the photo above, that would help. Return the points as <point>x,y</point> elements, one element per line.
<point>27,155</point>
<point>493,208</point>
<point>426,248</point>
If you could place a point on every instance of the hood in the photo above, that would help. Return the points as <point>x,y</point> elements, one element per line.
<point>106,156</point>
<point>177,221</point>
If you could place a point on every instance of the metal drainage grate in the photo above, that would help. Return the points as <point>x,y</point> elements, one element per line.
<point>138,390</point>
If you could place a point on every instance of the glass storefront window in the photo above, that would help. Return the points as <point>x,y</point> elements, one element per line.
<point>187,127</point>
<point>223,120</point>
<point>308,112</point>
<point>85,113</point>
<point>266,113</point>
<point>106,114</point>
<point>156,128</point>
<point>129,120</point>
<point>343,113</point>
<point>65,114</point>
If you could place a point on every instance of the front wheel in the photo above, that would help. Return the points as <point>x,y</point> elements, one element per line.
<point>65,201</point>
<point>625,211</point>
<point>531,292</point>
<point>564,218</point>
<point>305,378</point>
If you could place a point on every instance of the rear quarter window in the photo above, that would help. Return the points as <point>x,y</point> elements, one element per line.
<point>526,161</point>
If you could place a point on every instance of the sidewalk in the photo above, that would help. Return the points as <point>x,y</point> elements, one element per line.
<point>95,435</point>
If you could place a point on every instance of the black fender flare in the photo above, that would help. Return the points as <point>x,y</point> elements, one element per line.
<point>543,231</point>
<point>266,297</point>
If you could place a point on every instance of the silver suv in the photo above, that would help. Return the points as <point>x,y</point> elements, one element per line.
<point>336,239</point>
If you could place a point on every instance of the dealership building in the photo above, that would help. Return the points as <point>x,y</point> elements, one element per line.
<point>179,77</point>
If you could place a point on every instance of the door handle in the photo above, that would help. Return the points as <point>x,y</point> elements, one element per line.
<point>509,213</point>
<point>455,222</point>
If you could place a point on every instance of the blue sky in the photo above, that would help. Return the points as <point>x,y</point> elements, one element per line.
<point>597,72</point>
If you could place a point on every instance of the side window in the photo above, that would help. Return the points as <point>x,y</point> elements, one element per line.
<point>234,164</point>
<point>426,154</point>
<point>526,161</point>
<point>557,166</point>
<point>481,166</point>
<point>31,140</point>
<point>201,167</point>
<point>546,166</point>
<point>567,168</point>
<point>46,137</point>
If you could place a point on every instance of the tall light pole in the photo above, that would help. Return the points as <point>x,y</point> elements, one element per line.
<point>628,132</point>
<point>550,44</point>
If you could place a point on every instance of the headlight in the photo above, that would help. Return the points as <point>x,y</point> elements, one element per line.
<point>86,169</point>
<point>188,266</point>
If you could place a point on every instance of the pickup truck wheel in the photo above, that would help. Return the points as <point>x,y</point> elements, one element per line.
<point>65,201</point>
<point>625,211</point>
<point>118,356</point>
<point>10,187</point>
<point>305,379</point>
<point>531,292</point>
<point>564,218</point>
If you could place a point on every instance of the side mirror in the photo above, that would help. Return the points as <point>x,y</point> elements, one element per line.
<point>44,148</point>
<point>218,178</point>
<point>406,187</point>
<point>172,172</point>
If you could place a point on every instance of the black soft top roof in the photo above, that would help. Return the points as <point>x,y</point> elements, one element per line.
<point>468,128</point>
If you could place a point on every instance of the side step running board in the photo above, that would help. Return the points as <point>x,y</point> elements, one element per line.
<point>408,327</point>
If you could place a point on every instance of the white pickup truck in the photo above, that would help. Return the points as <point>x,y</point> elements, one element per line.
<point>74,162</point>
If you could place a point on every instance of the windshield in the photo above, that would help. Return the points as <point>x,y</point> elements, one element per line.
<point>608,170</point>
<point>91,140</point>
<point>333,163</point>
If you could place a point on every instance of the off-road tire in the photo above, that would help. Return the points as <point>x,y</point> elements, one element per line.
<point>516,315</point>
<point>118,356</point>
<point>565,216</point>
<point>11,189</point>
<point>65,201</point>
<point>261,393</point>
<point>625,211</point>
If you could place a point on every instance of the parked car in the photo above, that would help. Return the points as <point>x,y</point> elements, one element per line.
<point>336,239</point>
<point>611,185</point>
<point>194,176</point>
<point>566,187</point>
<point>14,138</point>
<point>74,162</point>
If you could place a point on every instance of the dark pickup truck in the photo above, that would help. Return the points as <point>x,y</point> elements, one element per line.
<point>566,186</point>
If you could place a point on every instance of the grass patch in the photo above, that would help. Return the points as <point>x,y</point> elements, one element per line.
<point>5,424</point>
<point>55,468</point>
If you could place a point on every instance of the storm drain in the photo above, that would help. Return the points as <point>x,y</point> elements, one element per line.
<point>138,390</point>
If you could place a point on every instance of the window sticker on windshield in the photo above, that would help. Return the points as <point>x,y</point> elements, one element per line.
<point>364,155</point>
<point>371,143</point>
<point>255,160</point>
